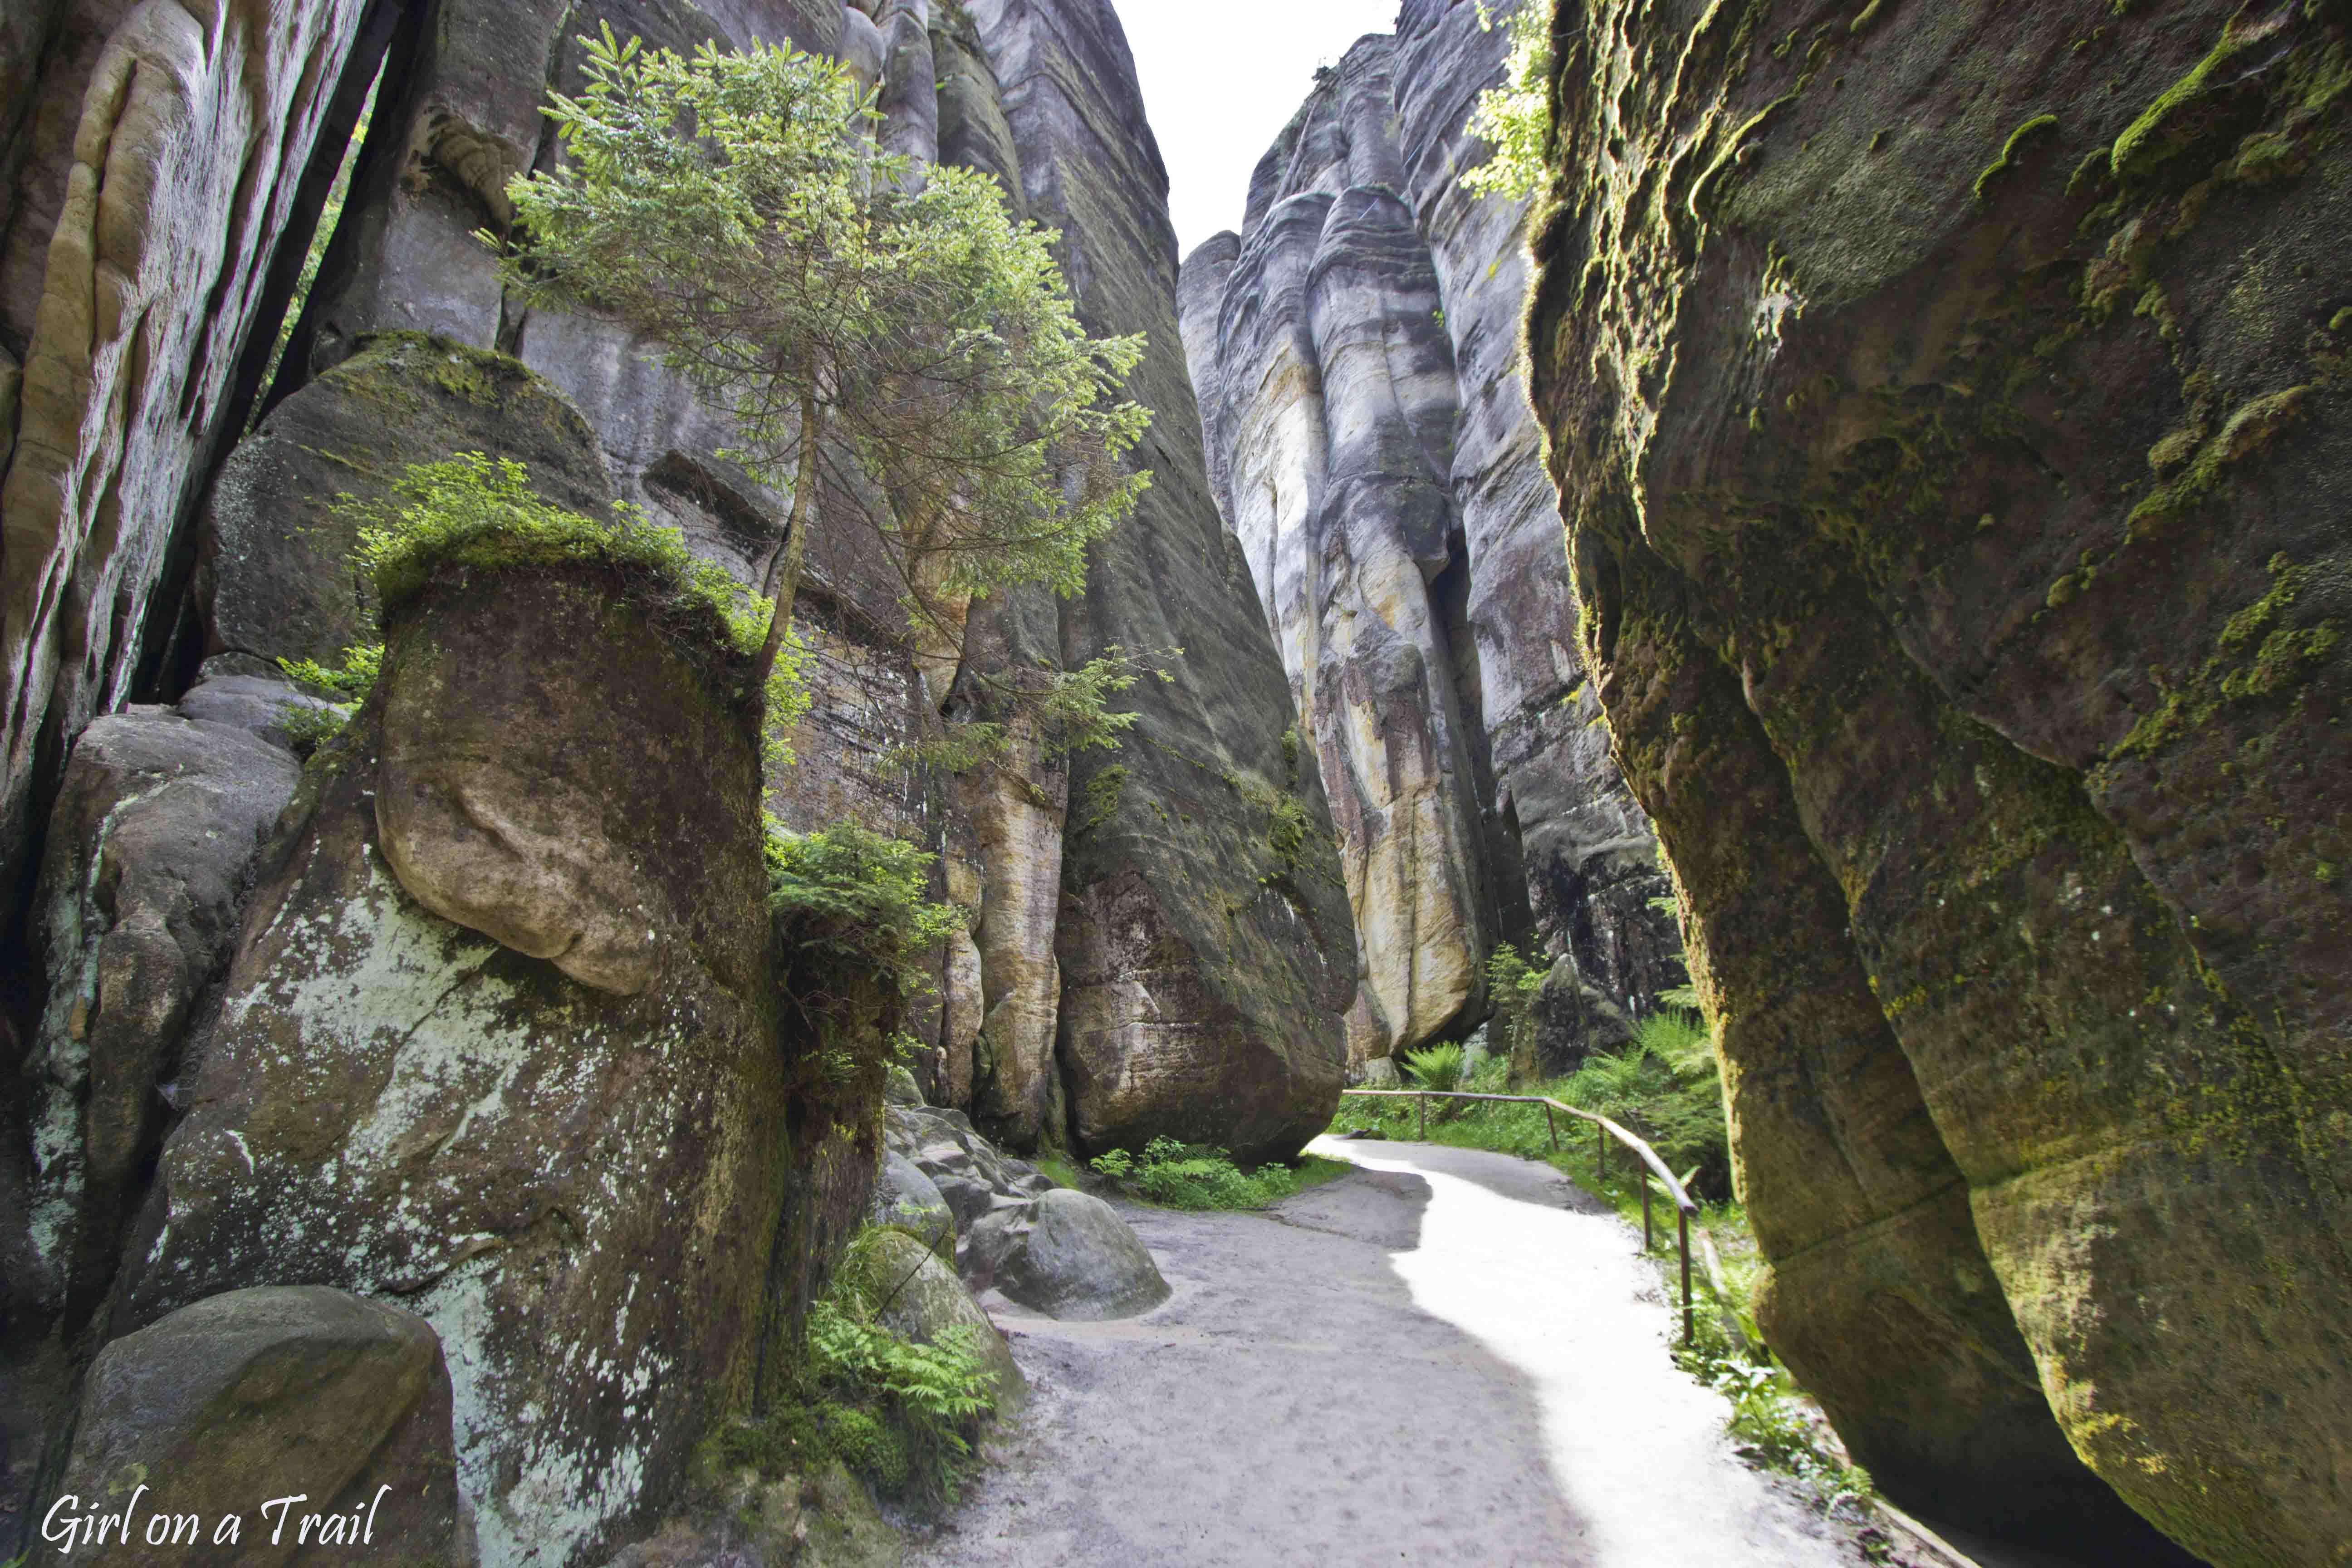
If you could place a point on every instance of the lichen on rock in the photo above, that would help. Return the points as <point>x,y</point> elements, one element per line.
<point>1982,545</point>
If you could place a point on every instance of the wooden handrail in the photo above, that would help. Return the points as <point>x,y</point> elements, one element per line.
<point>1683,1207</point>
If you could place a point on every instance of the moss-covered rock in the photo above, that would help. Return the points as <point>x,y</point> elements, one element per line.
<point>276,577</point>
<point>1957,495</point>
<point>584,1192</point>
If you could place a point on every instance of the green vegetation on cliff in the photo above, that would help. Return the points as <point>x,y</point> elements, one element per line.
<point>1517,115</point>
<point>897,351</point>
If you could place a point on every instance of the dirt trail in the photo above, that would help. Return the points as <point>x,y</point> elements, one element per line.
<point>1445,1356</point>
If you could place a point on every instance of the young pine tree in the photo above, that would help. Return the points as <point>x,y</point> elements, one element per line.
<point>888,326</point>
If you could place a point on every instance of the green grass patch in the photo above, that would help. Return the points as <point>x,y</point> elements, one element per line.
<point>1197,1176</point>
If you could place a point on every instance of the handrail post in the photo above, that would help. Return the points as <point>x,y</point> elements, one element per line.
<point>1682,1225</point>
<point>1420,1106</point>
<point>1599,1153</point>
<point>1646,1242</point>
<point>1551,1126</point>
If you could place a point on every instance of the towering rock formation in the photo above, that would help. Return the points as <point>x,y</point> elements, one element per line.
<point>1357,355</point>
<point>154,159</point>
<point>1950,404</point>
<point>1205,946</point>
<point>500,1033</point>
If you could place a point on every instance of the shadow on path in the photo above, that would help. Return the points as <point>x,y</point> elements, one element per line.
<point>1431,1360</point>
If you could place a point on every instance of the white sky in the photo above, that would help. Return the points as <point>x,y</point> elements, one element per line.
<point>1221,78</point>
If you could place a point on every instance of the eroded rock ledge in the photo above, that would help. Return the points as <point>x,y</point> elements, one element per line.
<point>1951,406</point>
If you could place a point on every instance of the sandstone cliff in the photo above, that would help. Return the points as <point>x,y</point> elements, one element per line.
<point>1356,351</point>
<point>1951,406</point>
<point>489,1021</point>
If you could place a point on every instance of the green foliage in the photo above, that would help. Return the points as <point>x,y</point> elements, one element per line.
<point>1195,1176</point>
<point>1516,117</point>
<point>901,1414</point>
<point>887,338</point>
<point>1436,1068</point>
<point>856,898</point>
<point>1512,981</point>
<point>343,689</point>
<point>1665,1086</point>
<point>1773,1426</point>
<point>472,510</point>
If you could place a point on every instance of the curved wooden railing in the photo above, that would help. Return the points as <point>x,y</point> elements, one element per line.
<point>1604,1131</point>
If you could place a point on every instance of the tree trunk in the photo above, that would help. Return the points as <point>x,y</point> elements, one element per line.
<point>795,556</point>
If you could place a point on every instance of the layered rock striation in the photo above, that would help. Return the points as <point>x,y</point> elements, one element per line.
<point>489,1021</point>
<point>1949,404</point>
<point>1356,353</point>
<point>1204,943</point>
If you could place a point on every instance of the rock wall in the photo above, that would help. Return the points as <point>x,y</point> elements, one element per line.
<point>1355,351</point>
<point>153,160</point>
<point>1204,943</point>
<point>1950,408</point>
<point>1156,940</point>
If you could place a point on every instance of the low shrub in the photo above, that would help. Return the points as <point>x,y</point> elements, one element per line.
<point>1436,1068</point>
<point>345,689</point>
<point>1196,1176</point>
<point>902,1415</point>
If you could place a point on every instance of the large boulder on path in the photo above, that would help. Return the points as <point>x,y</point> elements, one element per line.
<point>243,1398</point>
<point>150,842</point>
<point>581,1190</point>
<point>1069,1256</point>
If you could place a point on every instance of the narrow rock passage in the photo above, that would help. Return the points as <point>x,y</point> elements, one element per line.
<point>1445,1356</point>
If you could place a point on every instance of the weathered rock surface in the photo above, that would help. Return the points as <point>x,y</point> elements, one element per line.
<point>1354,352</point>
<point>923,1299</point>
<point>970,1175</point>
<point>152,158</point>
<point>338,1405</point>
<point>1950,407</point>
<point>395,1105</point>
<point>1203,968</point>
<point>155,828</point>
<point>1069,1256</point>
<point>272,709</point>
<point>275,576</point>
<point>905,1197</point>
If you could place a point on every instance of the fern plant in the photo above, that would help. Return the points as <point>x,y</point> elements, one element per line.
<point>1437,1068</point>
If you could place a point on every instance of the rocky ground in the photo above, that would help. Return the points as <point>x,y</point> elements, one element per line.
<point>1386,1369</point>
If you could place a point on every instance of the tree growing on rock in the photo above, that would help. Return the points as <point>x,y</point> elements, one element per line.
<point>886,336</point>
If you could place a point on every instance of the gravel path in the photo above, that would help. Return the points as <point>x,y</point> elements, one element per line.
<point>1445,1356</point>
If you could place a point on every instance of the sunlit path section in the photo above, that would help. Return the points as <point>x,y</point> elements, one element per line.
<point>1431,1360</point>
<point>1563,1297</point>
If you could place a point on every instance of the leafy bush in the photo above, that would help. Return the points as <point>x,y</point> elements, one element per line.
<point>852,896</point>
<point>343,689</point>
<point>1437,1068</point>
<point>1516,117</point>
<point>900,1414</point>
<point>1195,1176</point>
<point>1513,980</point>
